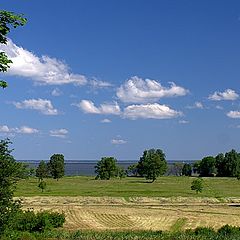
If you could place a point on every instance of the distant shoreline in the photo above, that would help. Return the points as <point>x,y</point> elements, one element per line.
<point>87,167</point>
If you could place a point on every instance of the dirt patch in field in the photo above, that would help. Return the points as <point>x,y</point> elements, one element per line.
<point>139,213</point>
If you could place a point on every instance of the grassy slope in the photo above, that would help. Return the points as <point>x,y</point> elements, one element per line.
<point>130,187</point>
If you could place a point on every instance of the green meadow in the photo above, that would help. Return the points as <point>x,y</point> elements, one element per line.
<point>130,187</point>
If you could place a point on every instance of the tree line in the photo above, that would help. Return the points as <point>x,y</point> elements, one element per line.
<point>223,165</point>
<point>151,165</point>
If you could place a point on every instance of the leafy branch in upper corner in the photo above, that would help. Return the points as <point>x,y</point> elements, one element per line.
<point>8,20</point>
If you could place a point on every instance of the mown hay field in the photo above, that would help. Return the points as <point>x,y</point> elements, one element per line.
<point>134,204</point>
<point>112,213</point>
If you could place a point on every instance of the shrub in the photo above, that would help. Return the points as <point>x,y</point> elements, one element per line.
<point>197,185</point>
<point>37,222</point>
<point>229,230</point>
<point>208,231</point>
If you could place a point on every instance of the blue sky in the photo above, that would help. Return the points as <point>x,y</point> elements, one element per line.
<point>113,78</point>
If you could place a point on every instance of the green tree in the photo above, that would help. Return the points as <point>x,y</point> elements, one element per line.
<point>177,168</point>
<point>42,185</point>
<point>56,166</point>
<point>121,172</point>
<point>42,170</point>
<point>207,166</point>
<point>187,170</point>
<point>197,185</point>
<point>152,164</point>
<point>228,165</point>
<point>132,170</point>
<point>221,166</point>
<point>10,173</point>
<point>31,172</point>
<point>196,167</point>
<point>238,176</point>
<point>8,20</point>
<point>106,168</point>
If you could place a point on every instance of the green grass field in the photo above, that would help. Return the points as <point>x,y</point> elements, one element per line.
<point>130,187</point>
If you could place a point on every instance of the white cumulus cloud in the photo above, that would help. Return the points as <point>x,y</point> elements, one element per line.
<point>198,105</point>
<point>43,105</point>
<point>228,94</point>
<point>42,70</point>
<point>5,129</point>
<point>138,90</point>
<point>118,141</point>
<point>105,108</point>
<point>99,84</point>
<point>22,130</point>
<point>219,107</point>
<point>105,120</point>
<point>61,133</point>
<point>155,111</point>
<point>183,121</point>
<point>56,92</point>
<point>26,130</point>
<point>234,114</point>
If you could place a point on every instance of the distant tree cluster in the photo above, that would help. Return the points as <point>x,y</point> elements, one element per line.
<point>54,168</point>
<point>180,169</point>
<point>151,165</point>
<point>223,165</point>
<point>108,168</point>
<point>187,170</point>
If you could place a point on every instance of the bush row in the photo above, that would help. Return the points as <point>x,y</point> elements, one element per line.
<point>201,233</point>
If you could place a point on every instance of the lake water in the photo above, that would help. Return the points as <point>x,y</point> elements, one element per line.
<point>86,168</point>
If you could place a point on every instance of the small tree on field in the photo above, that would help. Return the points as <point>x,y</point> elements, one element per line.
<point>106,168</point>
<point>187,170</point>
<point>56,166</point>
<point>42,185</point>
<point>197,185</point>
<point>42,170</point>
<point>152,164</point>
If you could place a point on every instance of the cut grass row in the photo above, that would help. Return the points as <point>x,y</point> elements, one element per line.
<point>130,187</point>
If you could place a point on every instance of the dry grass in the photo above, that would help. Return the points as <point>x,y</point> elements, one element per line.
<point>105,213</point>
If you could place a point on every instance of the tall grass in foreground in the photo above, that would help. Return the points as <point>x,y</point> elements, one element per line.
<point>225,233</point>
